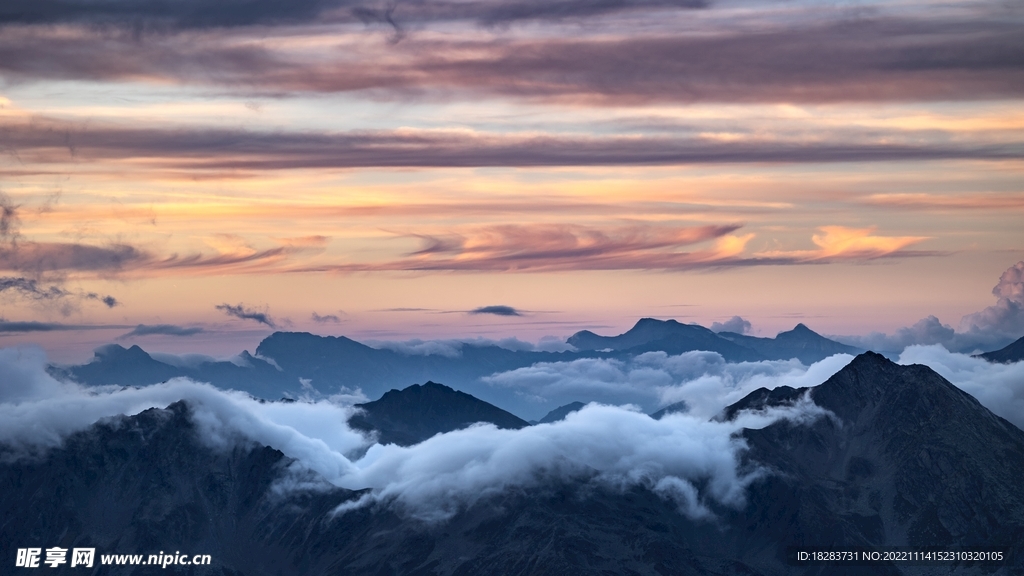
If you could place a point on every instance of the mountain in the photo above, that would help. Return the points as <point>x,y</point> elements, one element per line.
<point>412,415</point>
<point>905,459</point>
<point>674,338</point>
<point>1012,353</point>
<point>147,484</point>
<point>561,412</point>
<point>801,343</point>
<point>649,335</point>
<point>114,364</point>
<point>680,406</point>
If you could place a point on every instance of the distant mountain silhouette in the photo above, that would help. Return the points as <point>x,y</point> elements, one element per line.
<point>905,459</point>
<point>412,415</point>
<point>669,336</point>
<point>114,364</point>
<point>1008,355</point>
<point>680,406</point>
<point>286,363</point>
<point>561,412</point>
<point>801,343</point>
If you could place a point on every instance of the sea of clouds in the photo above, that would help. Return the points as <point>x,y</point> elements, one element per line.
<point>611,441</point>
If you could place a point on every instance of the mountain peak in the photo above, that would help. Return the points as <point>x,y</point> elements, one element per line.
<point>1014,352</point>
<point>418,412</point>
<point>561,412</point>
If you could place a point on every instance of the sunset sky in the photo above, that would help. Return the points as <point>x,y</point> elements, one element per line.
<point>193,175</point>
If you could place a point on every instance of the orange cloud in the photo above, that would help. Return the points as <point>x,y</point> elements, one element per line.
<point>842,243</point>
<point>948,202</point>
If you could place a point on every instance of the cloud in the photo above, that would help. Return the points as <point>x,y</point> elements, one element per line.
<point>843,243</point>
<point>606,446</point>
<point>691,462</point>
<point>546,247</point>
<point>37,412</point>
<point>497,310</point>
<point>332,318</point>
<point>162,330</point>
<point>550,247</point>
<point>989,329</point>
<point>734,324</point>
<point>999,387</point>
<point>43,141</point>
<point>50,292</point>
<point>654,379</point>
<point>945,202</point>
<point>243,313</point>
<point>41,257</point>
<point>1007,315</point>
<point>452,348</point>
<point>798,60</point>
<point>925,331</point>
<point>33,326</point>
<point>157,16</point>
<point>417,347</point>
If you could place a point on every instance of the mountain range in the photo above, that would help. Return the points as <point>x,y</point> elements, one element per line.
<point>904,458</point>
<point>287,364</point>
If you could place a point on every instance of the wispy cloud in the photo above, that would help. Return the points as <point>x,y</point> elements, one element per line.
<point>496,310</point>
<point>215,149</point>
<point>162,330</point>
<point>843,243</point>
<point>325,319</point>
<point>563,247</point>
<point>546,248</point>
<point>15,326</point>
<point>949,202</point>
<point>242,312</point>
<point>866,59</point>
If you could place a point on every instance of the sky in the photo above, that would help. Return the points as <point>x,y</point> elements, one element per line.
<point>192,176</point>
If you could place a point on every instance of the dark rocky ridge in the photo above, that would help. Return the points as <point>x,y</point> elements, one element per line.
<point>409,416</point>
<point>910,460</point>
<point>561,412</point>
<point>1011,353</point>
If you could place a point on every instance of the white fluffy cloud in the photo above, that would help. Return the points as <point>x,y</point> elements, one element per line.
<point>611,445</point>
<point>453,348</point>
<point>688,459</point>
<point>614,446</point>
<point>1007,315</point>
<point>654,379</point>
<point>735,324</point>
<point>982,331</point>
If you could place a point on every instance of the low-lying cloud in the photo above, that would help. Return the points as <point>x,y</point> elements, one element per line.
<point>1006,316</point>
<point>983,331</point>
<point>452,348</point>
<point>690,461</point>
<point>162,330</point>
<point>655,379</point>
